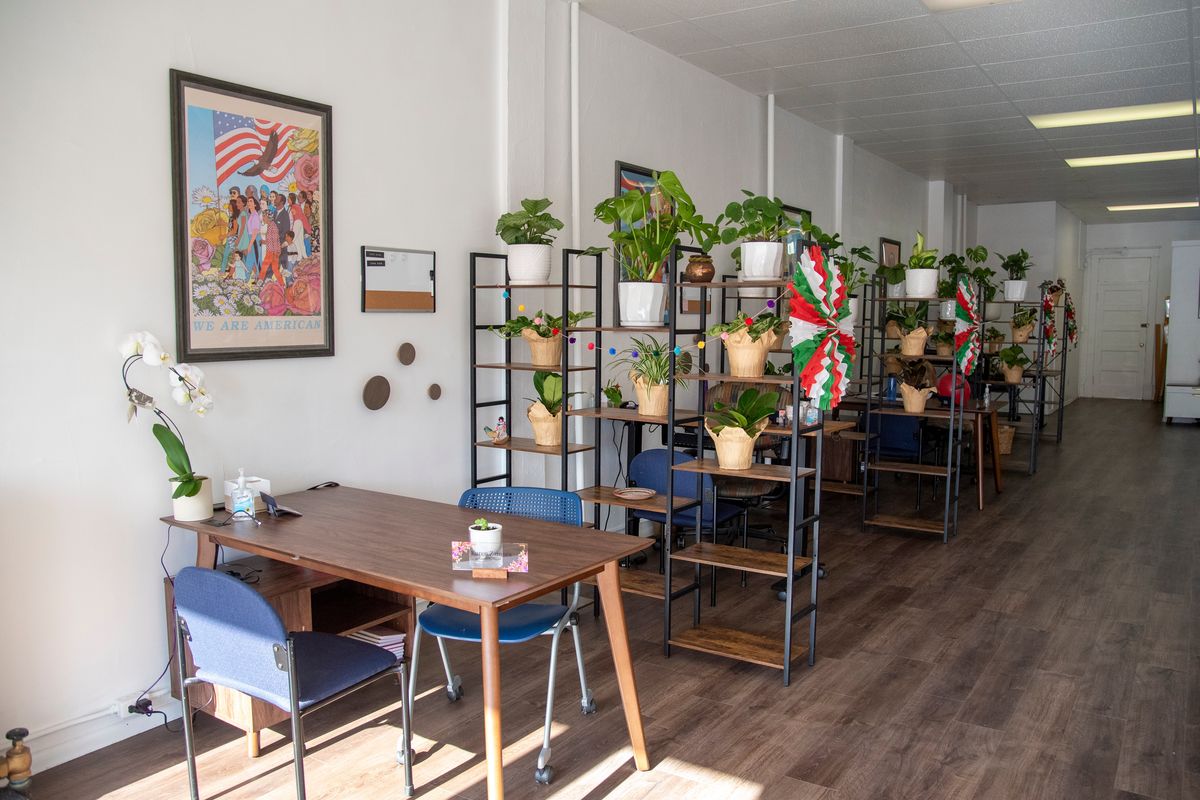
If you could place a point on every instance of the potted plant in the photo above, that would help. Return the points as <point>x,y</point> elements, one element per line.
<point>1023,320</point>
<point>647,226</point>
<point>915,388</point>
<point>545,413</point>
<point>760,223</point>
<point>944,342</point>
<point>893,277</point>
<point>1016,265</point>
<point>748,340</point>
<point>612,394</point>
<point>486,539</point>
<point>1013,361</point>
<point>922,274</point>
<point>735,427</point>
<point>994,338</point>
<point>192,496</point>
<point>543,332</point>
<point>911,323</point>
<point>956,269</point>
<point>527,234</point>
<point>649,366</point>
<point>854,275</point>
<point>986,286</point>
<point>892,363</point>
<point>1053,289</point>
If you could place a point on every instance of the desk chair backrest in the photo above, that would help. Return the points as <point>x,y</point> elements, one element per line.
<point>649,470</point>
<point>232,632</point>
<point>551,505</point>
<point>898,436</point>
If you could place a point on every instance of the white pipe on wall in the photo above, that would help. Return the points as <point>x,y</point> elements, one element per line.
<point>771,144</point>
<point>576,238</point>
<point>502,106</point>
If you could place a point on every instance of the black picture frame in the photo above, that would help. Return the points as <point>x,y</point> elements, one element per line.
<point>884,242</point>
<point>796,212</point>
<point>295,320</point>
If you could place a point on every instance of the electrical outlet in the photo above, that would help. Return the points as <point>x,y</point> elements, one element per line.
<point>157,698</point>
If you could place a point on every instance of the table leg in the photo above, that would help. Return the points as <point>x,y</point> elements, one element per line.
<point>489,620</point>
<point>979,461</point>
<point>997,474</point>
<point>618,642</point>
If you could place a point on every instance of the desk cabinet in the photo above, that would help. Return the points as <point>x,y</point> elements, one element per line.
<point>306,600</point>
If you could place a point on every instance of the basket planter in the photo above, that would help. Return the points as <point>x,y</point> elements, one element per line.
<point>544,352</point>
<point>891,330</point>
<point>641,302</point>
<point>1005,434</point>
<point>945,348</point>
<point>1021,335</point>
<point>1015,290</point>
<point>892,365</point>
<point>921,282</point>
<point>914,398</point>
<point>1055,297</point>
<point>528,264</point>
<point>748,358</point>
<point>197,507</point>
<point>735,448</point>
<point>1013,374</point>
<point>651,400</point>
<point>993,346</point>
<point>913,344</point>
<point>547,427</point>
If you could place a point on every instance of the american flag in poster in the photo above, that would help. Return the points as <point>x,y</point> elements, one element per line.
<point>259,145</point>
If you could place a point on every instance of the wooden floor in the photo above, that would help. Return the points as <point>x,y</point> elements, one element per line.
<point>1050,651</point>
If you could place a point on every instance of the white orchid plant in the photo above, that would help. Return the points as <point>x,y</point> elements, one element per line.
<point>187,389</point>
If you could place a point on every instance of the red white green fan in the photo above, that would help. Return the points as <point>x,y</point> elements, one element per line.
<point>1049,329</point>
<point>822,332</point>
<point>966,327</point>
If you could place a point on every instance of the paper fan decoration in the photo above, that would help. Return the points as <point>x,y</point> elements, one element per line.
<point>822,333</point>
<point>1049,331</point>
<point>1072,327</point>
<point>966,327</point>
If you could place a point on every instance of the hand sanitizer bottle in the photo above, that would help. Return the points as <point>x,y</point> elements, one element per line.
<point>243,498</point>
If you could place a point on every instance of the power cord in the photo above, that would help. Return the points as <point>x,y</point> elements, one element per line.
<point>619,444</point>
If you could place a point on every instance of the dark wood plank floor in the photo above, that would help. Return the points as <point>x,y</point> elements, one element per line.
<point>1047,652</point>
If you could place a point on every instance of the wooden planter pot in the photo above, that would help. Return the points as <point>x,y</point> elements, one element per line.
<point>735,448</point>
<point>913,344</point>
<point>651,400</point>
<point>544,352</point>
<point>547,427</point>
<point>748,358</point>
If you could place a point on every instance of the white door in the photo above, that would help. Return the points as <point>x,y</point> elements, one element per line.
<point>1121,361</point>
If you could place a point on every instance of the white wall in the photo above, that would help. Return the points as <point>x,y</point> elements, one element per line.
<point>1146,234</point>
<point>1006,228</point>
<point>87,221</point>
<point>883,200</point>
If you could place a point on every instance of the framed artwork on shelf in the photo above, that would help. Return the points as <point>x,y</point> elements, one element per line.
<point>253,215</point>
<point>797,213</point>
<point>627,178</point>
<point>889,252</point>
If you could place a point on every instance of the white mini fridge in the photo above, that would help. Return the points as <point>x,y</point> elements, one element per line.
<point>1181,399</point>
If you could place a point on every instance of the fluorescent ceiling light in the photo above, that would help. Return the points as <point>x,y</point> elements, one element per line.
<point>1103,116</point>
<point>1131,158</point>
<point>1156,206</point>
<point>958,5</point>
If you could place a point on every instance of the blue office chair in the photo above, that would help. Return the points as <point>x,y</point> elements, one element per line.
<point>238,641</point>
<point>649,470</point>
<point>519,624</point>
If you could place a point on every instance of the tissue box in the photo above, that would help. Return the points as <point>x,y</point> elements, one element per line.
<point>256,486</point>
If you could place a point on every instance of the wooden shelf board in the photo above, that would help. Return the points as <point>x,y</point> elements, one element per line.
<point>629,415</point>
<point>740,558</point>
<point>734,284</point>
<point>840,487</point>
<point>765,472</point>
<point>907,523</point>
<point>340,609</point>
<point>717,640</point>
<point>526,445</point>
<point>527,367</point>
<point>646,583</point>
<point>621,329</point>
<point>906,467</point>
<point>604,495</point>
<point>717,377</point>
<point>931,358</point>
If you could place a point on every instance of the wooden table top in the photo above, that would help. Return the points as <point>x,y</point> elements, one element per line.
<point>403,544</point>
<point>932,411</point>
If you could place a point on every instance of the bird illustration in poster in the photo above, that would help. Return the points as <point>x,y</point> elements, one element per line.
<point>254,195</point>
<point>822,333</point>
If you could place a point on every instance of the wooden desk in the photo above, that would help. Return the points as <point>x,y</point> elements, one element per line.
<point>402,545</point>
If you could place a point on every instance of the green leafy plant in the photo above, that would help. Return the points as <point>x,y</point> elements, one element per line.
<point>646,232</point>
<point>751,408</point>
<point>853,273</point>
<point>1023,316</point>
<point>943,337</point>
<point>650,360</point>
<point>755,326</point>
<point>977,255</point>
<point>755,219</point>
<point>916,373</point>
<point>548,386</point>
<point>947,289</point>
<point>177,460</point>
<point>482,524</point>
<point>612,392</point>
<point>531,225</point>
<point>1050,287</point>
<point>549,326</point>
<point>993,335</point>
<point>983,277</point>
<point>1016,265</point>
<point>922,257</point>
<point>1013,356</point>
<point>909,318</point>
<point>771,368</point>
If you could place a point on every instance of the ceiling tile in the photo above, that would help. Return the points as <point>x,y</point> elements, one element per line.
<point>690,9</point>
<point>953,130</point>
<point>679,37</point>
<point>770,80</point>
<point>725,61</point>
<point>628,14</point>
<point>940,80</point>
<point>1091,63</point>
<point>803,16</point>
<point>974,113</point>
<point>1127,79</point>
<point>904,34</point>
<point>900,62</point>
<point>925,101</point>
<point>1040,15</point>
<point>1079,38</point>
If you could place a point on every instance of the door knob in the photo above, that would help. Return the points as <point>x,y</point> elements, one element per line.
<point>1141,344</point>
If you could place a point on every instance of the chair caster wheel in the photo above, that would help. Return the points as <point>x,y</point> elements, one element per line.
<point>400,756</point>
<point>822,572</point>
<point>544,775</point>
<point>588,707</point>
<point>454,691</point>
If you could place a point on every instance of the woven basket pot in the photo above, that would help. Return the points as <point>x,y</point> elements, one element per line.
<point>651,400</point>
<point>547,427</point>
<point>748,358</point>
<point>544,352</point>
<point>1021,335</point>
<point>915,399</point>
<point>945,349</point>
<point>1005,434</point>
<point>735,448</point>
<point>1013,374</point>
<point>913,344</point>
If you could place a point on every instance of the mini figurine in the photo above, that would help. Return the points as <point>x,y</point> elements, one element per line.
<point>499,434</point>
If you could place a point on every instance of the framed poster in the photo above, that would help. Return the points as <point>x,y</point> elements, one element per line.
<point>889,252</point>
<point>628,178</point>
<point>251,180</point>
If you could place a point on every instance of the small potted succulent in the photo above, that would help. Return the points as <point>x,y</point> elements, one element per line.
<point>1023,320</point>
<point>486,539</point>
<point>922,274</point>
<point>545,413</point>
<point>748,340</point>
<point>761,224</point>
<point>735,427</point>
<point>994,338</point>
<point>1017,266</point>
<point>544,333</point>
<point>1013,362</point>
<point>915,388</point>
<point>527,233</point>
<point>944,342</point>
<point>911,322</point>
<point>648,363</point>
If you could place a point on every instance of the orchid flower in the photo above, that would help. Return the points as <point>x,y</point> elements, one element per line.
<point>202,404</point>
<point>154,354</point>
<point>184,374</point>
<point>135,343</point>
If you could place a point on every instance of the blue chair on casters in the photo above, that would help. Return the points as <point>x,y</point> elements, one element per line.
<point>238,641</point>
<point>519,624</point>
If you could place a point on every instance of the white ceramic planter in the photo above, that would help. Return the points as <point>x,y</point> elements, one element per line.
<point>855,304</point>
<point>896,289</point>
<point>992,312</point>
<point>641,302</point>
<point>528,263</point>
<point>1015,290</point>
<point>486,543</point>
<point>947,308</point>
<point>195,508</point>
<point>921,282</point>
<point>761,261</point>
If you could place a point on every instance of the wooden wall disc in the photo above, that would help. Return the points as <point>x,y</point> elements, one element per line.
<point>435,391</point>
<point>407,353</point>
<point>376,393</point>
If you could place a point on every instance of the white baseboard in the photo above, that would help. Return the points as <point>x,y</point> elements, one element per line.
<point>71,741</point>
